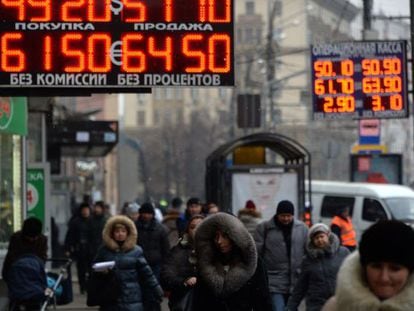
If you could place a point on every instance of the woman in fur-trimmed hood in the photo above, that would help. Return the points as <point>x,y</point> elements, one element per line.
<point>119,244</point>
<point>230,275</point>
<point>379,276</point>
<point>316,282</point>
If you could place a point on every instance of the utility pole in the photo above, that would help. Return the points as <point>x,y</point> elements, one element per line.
<point>270,63</point>
<point>366,23</point>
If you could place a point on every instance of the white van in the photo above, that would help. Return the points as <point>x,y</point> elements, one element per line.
<point>368,202</point>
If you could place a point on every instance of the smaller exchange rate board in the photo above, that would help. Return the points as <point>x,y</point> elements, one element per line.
<point>359,80</point>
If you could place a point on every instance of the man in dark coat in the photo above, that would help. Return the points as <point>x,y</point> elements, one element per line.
<point>97,223</point>
<point>153,239</point>
<point>77,244</point>
<point>194,207</point>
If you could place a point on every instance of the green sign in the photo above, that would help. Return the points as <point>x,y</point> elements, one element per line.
<point>13,115</point>
<point>36,193</point>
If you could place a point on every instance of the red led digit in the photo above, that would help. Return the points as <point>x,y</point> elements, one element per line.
<point>214,42</point>
<point>392,84</point>
<point>376,103</point>
<point>347,85</point>
<point>68,7</point>
<point>47,56</point>
<point>212,11</point>
<point>202,12</point>
<point>328,103</point>
<point>132,60</point>
<point>75,54</point>
<point>166,53</point>
<point>370,67</point>
<point>104,15</point>
<point>371,85</point>
<point>19,5</point>
<point>168,10</point>
<point>392,66</point>
<point>396,102</point>
<point>187,51</point>
<point>323,68</point>
<point>216,14</point>
<point>100,42</point>
<point>319,87</point>
<point>347,67</point>
<point>46,7</point>
<point>134,11</point>
<point>12,59</point>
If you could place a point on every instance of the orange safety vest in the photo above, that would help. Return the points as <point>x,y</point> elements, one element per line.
<point>348,235</point>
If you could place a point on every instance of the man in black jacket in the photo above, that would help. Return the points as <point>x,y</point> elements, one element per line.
<point>153,238</point>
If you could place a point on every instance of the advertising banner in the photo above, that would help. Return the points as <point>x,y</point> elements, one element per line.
<point>265,190</point>
<point>13,115</point>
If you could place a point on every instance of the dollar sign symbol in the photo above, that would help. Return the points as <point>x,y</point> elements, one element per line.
<point>116,6</point>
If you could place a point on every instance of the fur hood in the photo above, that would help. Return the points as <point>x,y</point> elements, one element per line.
<point>352,292</point>
<point>131,239</point>
<point>212,271</point>
<point>333,247</point>
<point>250,212</point>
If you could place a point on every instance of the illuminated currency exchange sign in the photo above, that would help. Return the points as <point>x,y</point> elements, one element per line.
<point>359,80</point>
<point>116,44</point>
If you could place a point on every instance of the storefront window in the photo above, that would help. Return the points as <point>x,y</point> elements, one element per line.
<point>10,187</point>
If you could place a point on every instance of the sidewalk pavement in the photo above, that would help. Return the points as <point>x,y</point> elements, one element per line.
<point>79,301</point>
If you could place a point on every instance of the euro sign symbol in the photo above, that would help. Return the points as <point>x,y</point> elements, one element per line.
<point>116,6</point>
<point>116,53</point>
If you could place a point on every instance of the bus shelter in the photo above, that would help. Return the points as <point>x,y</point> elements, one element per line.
<point>263,167</point>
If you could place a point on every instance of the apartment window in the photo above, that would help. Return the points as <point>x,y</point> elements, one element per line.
<point>249,8</point>
<point>141,118</point>
<point>248,35</point>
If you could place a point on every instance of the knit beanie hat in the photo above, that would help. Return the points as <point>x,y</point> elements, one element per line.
<point>285,207</point>
<point>32,227</point>
<point>250,204</point>
<point>317,228</point>
<point>390,241</point>
<point>147,208</point>
<point>132,208</point>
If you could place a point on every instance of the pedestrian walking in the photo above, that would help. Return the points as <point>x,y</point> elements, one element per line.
<point>132,211</point>
<point>342,226</point>
<point>24,269</point>
<point>77,243</point>
<point>193,207</point>
<point>317,279</point>
<point>281,242</point>
<point>132,270</point>
<point>178,273</point>
<point>231,277</point>
<point>154,242</point>
<point>97,223</point>
<point>378,276</point>
<point>250,216</point>
<point>170,220</point>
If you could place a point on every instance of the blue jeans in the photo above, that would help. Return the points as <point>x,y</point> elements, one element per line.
<point>278,301</point>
